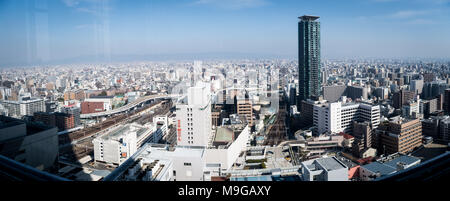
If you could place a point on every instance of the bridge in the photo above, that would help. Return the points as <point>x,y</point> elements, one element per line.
<point>127,107</point>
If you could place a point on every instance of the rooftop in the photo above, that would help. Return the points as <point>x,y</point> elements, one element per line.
<point>123,130</point>
<point>408,160</point>
<point>224,135</point>
<point>378,167</point>
<point>331,163</point>
<point>308,18</point>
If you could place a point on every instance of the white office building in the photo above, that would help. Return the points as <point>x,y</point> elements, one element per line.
<point>324,169</point>
<point>162,163</point>
<point>338,117</point>
<point>193,115</point>
<point>225,155</point>
<point>119,144</point>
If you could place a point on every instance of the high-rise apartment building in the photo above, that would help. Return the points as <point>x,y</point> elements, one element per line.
<point>25,106</point>
<point>402,97</point>
<point>309,57</point>
<point>193,116</point>
<point>75,111</point>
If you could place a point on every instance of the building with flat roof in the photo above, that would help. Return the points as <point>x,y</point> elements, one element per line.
<point>25,107</point>
<point>162,163</point>
<point>399,135</point>
<point>339,116</point>
<point>228,142</point>
<point>324,169</point>
<point>107,101</point>
<point>119,144</point>
<point>245,109</point>
<point>386,166</point>
<point>193,115</point>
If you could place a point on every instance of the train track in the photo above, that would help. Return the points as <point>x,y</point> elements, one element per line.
<point>83,139</point>
<point>87,132</point>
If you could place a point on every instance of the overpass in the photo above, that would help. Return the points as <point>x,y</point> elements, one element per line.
<point>127,107</point>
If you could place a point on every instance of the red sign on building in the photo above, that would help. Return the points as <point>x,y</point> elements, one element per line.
<point>179,131</point>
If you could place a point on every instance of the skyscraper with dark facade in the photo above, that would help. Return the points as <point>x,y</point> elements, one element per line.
<point>309,57</point>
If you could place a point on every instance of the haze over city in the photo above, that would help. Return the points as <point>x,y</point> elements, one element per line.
<point>192,99</point>
<point>66,31</point>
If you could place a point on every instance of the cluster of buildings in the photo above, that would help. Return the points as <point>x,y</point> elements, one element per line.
<point>334,120</point>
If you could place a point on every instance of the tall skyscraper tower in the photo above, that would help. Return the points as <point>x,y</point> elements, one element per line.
<point>309,57</point>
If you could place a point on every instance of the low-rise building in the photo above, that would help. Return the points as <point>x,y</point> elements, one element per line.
<point>386,166</point>
<point>119,144</point>
<point>324,169</point>
<point>162,163</point>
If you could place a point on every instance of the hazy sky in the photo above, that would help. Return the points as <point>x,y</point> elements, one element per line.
<point>34,31</point>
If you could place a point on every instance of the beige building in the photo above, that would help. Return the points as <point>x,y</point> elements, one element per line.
<point>244,109</point>
<point>399,135</point>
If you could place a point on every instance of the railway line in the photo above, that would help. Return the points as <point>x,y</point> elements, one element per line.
<point>76,145</point>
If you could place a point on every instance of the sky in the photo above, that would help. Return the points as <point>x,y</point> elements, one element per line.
<point>52,31</point>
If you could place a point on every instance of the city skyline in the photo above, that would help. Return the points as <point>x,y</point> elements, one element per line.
<point>67,31</point>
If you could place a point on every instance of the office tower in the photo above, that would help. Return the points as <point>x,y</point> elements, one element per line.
<point>362,131</point>
<point>382,93</point>
<point>357,92</point>
<point>307,112</point>
<point>434,125</point>
<point>309,57</point>
<point>411,109</point>
<point>416,86</point>
<point>429,107</point>
<point>447,101</point>
<point>440,102</point>
<point>361,146</point>
<point>338,117</point>
<point>399,135</point>
<point>244,109</point>
<point>193,116</point>
<point>402,97</point>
